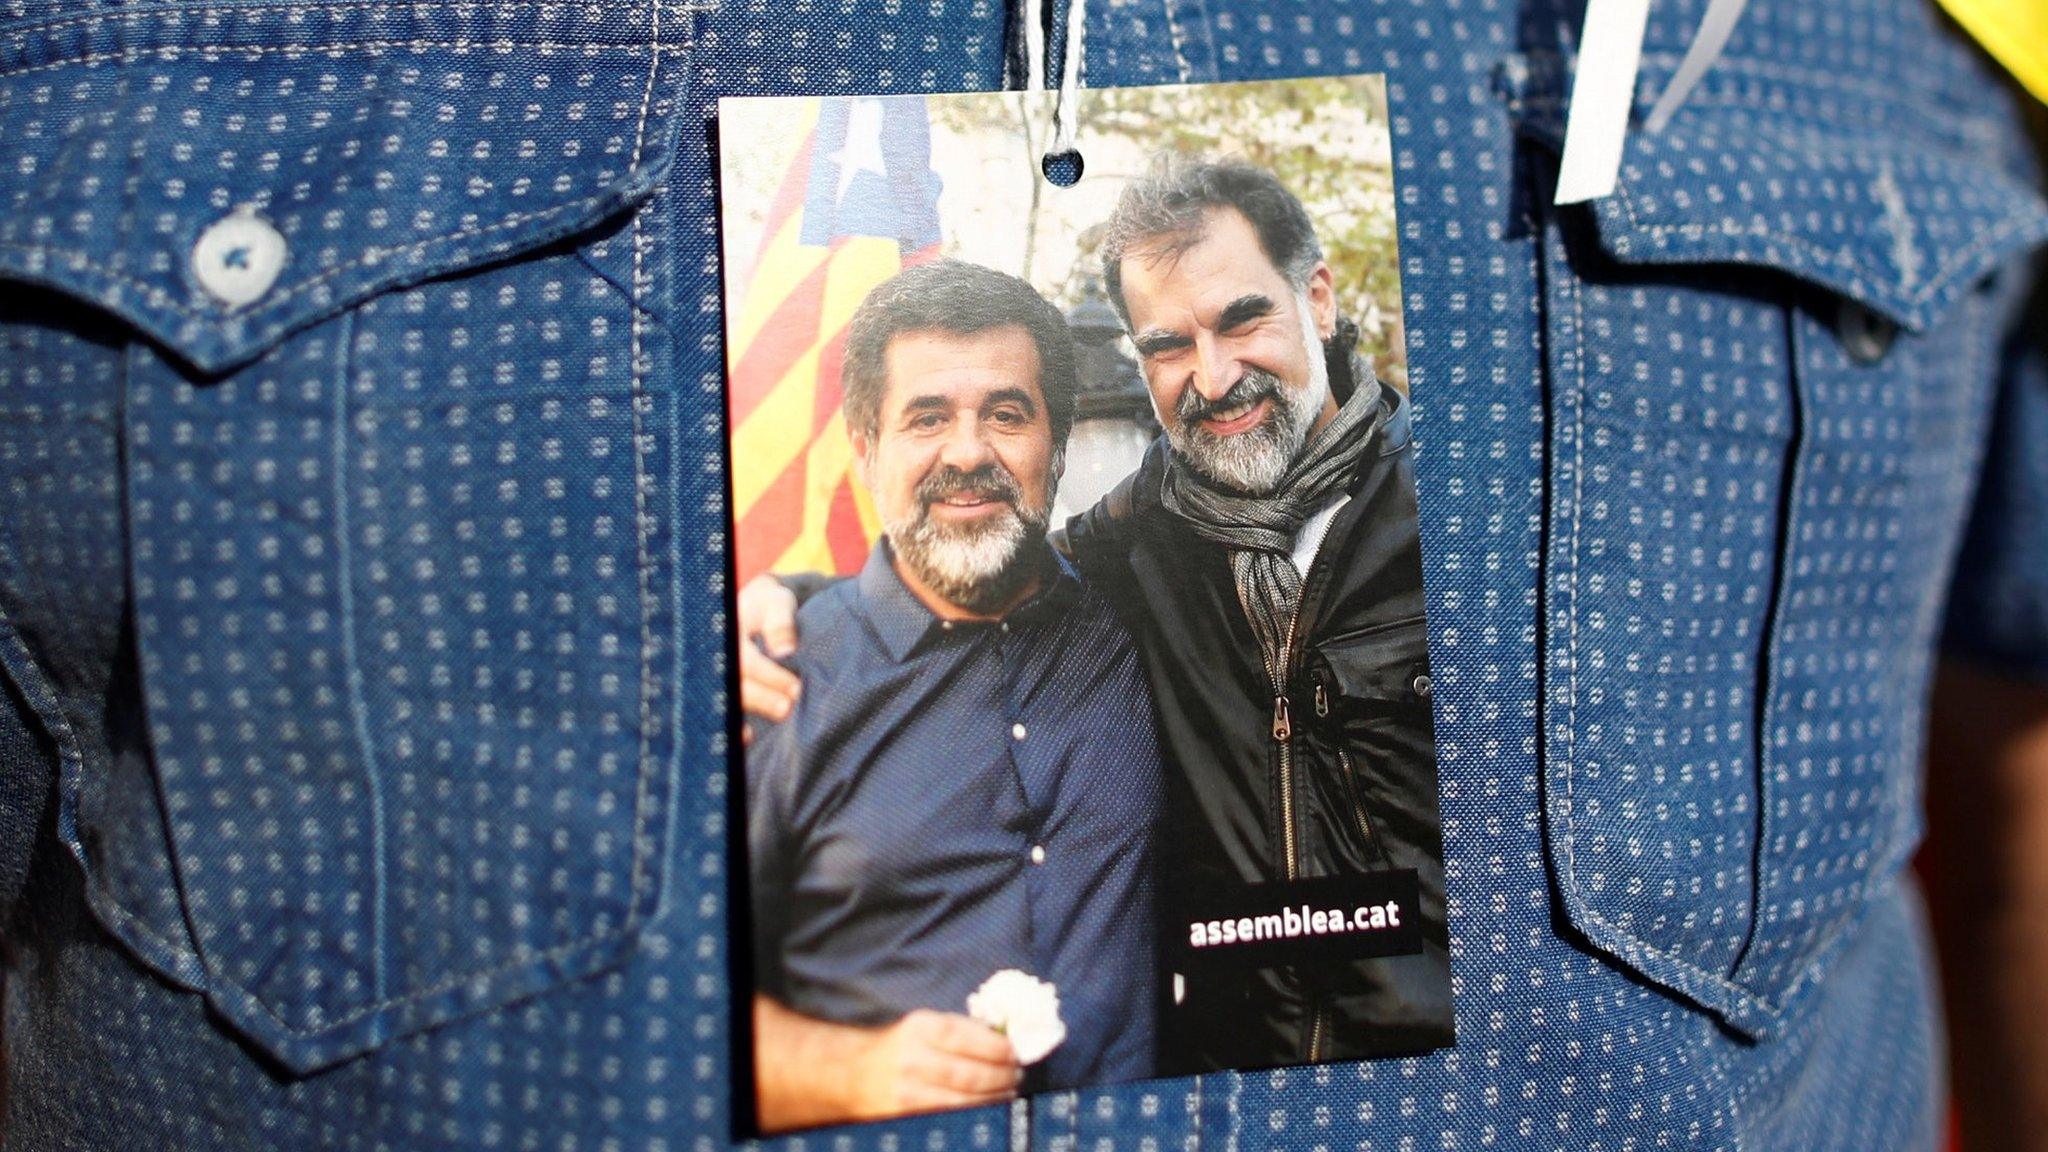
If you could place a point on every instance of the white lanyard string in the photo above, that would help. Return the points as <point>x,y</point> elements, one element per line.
<point>1610,53</point>
<point>1035,49</point>
<point>1603,91</point>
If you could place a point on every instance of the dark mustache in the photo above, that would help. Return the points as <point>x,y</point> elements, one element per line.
<point>988,482</point>
<point>1257,385</point>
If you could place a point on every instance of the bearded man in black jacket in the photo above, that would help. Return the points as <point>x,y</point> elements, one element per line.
<point>1266,557</point>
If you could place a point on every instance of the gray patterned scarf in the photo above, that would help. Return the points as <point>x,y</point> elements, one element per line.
<point>1259,531</point>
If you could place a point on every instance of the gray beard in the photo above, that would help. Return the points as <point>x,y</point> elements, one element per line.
<point>979,567</point>
<point>1254,462</point>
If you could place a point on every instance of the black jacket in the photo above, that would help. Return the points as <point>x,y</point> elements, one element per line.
<point>1358,755</point>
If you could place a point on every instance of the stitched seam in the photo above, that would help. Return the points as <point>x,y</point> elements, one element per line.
<point>1824,945</point>
<point>1079,46</point>
<point>1860,283</point>
<point>1177,39</point>
<point>2012,223</point>
<point>370,256</point>
<point>527,960</point>
<point>632,919</point>
<point>1858,273</point>
<point>1585,906</point>
<point>138,924</point>
<point>72,758</point>
<point>1571,859</point>
<point>209,52</point>
<point>359,712</point>
<point>1778,608</point>
<point>289,8</point>
<point>648,686</point>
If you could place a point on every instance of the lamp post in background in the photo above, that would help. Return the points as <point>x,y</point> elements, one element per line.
<point>1113,421</point>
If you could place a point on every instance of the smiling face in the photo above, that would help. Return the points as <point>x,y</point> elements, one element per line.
<point>1232,351</point>
<point>962,466</point>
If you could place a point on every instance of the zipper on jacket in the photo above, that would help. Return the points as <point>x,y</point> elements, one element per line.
<point>1312,587</point>
<point>1283,739</point>
<point>1372,843</point>
<point>1283,718</point>
<point>1287,806</point>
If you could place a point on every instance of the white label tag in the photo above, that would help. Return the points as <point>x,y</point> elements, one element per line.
<point>1610,50</point>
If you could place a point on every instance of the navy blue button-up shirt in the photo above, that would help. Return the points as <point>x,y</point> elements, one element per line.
<point>951,799</point>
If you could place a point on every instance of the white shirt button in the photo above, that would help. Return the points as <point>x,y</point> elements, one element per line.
<point>238,258</point>
<point>1038,853</point>
<point>1005,625</point>
<point>1016,731</point>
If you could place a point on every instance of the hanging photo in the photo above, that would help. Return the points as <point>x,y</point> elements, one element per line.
<point>1079,622</point>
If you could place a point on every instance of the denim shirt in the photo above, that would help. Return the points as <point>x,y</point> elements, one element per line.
<point>365,771</point>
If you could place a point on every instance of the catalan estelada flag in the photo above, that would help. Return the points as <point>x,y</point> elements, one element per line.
<point>858,203</point>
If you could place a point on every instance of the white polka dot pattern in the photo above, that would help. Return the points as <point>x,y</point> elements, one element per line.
<point>404,655</point>
<point>1870,196</point>
<point>1662,560</point>
<point>401,590</point>
<point>384,142</point>
<point>1756,837</point>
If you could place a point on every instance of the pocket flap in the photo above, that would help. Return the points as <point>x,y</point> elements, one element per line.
<point>1890,205</point>
<point>364,146</point>
<point>1387,662</point>
<point>1742,519</point>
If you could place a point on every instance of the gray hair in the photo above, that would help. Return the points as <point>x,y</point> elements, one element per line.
<point>1165,213</point>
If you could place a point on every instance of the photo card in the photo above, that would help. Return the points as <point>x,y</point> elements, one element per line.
<point>1079,623</point>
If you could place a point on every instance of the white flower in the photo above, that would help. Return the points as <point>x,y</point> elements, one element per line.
<point>1023,1008</point>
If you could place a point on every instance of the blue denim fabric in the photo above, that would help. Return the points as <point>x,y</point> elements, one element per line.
<point>365,741</point>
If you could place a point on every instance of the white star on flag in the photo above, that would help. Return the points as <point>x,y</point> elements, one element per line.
<point>862,150</point>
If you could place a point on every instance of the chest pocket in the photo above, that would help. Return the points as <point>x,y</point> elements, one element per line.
<point>1767,355</point>
<point>1371,703</point>
<point>396,460</point>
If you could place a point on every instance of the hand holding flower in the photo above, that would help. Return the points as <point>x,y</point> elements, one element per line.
<point>1023,1008</point>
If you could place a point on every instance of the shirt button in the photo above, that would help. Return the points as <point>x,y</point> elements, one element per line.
<point>1016,731</point>
<point>1005,626</point>
<point>1865,335</point>
<point>945,625</point>
<point>1423,685</point>
<point>238,258</point>
<point>1038,853</point>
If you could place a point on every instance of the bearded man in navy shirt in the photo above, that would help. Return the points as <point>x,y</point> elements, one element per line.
<point>969,782</point>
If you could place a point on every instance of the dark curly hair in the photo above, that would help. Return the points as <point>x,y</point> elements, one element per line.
<point>963,299</point>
